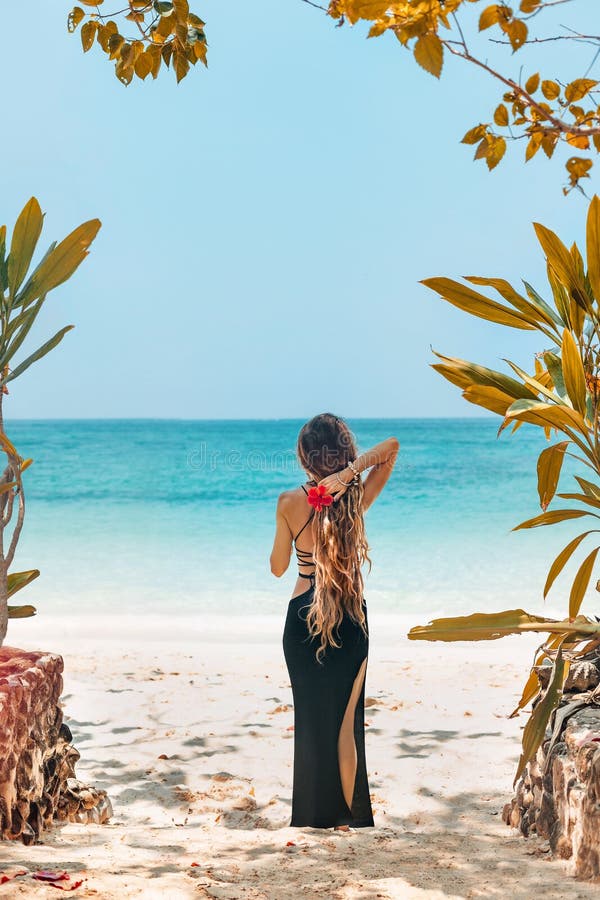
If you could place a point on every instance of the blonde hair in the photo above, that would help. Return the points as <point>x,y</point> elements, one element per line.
<point>325,446</point>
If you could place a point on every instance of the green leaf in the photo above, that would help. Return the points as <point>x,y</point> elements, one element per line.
<point>41,351</point>
<point>18,580</point>
<point>554,366</point>
<point>535,729</point>
<point>26,234</point>
<point>28,317</point>
<point>581,582</point>
<point>537,300</point>
<point>562,559</point>
<point>549,466</point>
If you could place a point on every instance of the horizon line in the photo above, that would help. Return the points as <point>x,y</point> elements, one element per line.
<point>242,419</point>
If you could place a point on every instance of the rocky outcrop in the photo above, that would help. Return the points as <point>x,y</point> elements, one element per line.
<point>37,760</point>
<point>558,796</point>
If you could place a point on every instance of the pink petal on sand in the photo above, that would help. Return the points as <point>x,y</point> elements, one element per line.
<point>46,875</point>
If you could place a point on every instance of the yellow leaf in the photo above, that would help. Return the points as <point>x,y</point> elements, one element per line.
<point>550,90</point>
<point>573,372</point>
<point>581,582</point>
<point>364,9</point>
<point>181,65</point>
<point>27,230</point>
<point>495,152</point>
<point>561,262</point>
<point>490,16</point>
<point>489,398</point>
<point>480,626</point>
<point>429,53</point>
<point>474,135</point>
<point>533,145</point>
<point>581,141</point>
<point>532,83</point>
<point>60,264</point>
<point>593,246</point>
<point>143,66</point>
<point>75,17</point>
<point>517,33</point>
<point>477,304</point>
<point>549,466</point>
<point>578,89</point>
<point>501,115</point>
<point>562,559</point>
<point>88,33</point>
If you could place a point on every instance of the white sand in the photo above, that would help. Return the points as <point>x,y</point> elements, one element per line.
<point>214,697</point>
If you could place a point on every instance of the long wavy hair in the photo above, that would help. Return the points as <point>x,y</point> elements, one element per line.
<point>326,445</point>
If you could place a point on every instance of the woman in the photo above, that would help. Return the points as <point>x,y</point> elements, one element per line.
<point>326,640</point>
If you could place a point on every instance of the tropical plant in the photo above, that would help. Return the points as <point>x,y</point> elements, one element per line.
<point>561,396</point>
<point>22,297</point>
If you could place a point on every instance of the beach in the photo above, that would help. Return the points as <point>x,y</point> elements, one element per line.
<point>153,541</point>
<point>187,723</point>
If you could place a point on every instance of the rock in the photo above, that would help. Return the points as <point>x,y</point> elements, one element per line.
<point>583,676</point>
<point>37,761</point>
<point>558,796</point>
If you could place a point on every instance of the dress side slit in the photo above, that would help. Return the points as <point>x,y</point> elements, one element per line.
<point>347,750</point>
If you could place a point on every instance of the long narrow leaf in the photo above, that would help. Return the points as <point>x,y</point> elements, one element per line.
<point>477,304</point>
<point>581,582</point>
<point>539,301</point>
<point>532,685</point>
<point>479,626</point>
<point>21,612</point>
<point>41,351</point>
<point>472,373</point>
<point>552,516</point>
<point>507,291</point>
<point>573,372</point>
<point>593,246</point>
<point>561,261</point>
<point>66,257</point>
<point>563,558</point>
<point>549,466</point>
<point>535,729</point>
<point>489,398</point>
<point>582,498</point>
<point>18,580</point>
<point>26,234</point>
<point>592,490</point>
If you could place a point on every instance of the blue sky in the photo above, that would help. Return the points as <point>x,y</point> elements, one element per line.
<point>266,222</point>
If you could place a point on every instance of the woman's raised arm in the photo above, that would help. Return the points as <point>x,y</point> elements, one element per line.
<point>380,459</point>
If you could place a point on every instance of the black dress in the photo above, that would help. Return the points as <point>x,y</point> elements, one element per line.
<point>321,691</point>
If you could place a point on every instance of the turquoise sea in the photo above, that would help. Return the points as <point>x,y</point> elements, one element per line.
<point>170,517</point>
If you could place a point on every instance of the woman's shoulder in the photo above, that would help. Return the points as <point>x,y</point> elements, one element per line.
<point>290,498</point>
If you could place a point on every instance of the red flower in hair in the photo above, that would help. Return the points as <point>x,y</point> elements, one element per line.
<point>318,497</point>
